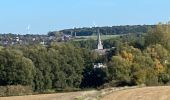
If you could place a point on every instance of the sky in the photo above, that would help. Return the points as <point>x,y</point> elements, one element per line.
<point>42,16</point>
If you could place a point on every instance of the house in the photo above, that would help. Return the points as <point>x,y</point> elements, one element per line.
<point>99,65</point>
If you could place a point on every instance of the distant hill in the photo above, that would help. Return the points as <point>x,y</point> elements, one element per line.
<point>114,30</point>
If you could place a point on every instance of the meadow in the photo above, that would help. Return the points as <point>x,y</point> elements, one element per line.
<point>94,37</point>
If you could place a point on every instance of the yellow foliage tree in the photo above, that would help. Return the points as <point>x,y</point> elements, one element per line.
<point>159,67</point>
<point>127,56</point>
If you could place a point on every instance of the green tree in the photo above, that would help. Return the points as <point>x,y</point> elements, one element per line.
<point>39,56</point>
<point>159,35</point>
<point>119,70</point>
<point>15,68</point>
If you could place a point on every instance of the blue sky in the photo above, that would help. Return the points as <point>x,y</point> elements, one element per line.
<point>48,15</point>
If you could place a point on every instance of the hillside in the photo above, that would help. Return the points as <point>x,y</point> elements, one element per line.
<point>146,93</point>
<point>113,30</point>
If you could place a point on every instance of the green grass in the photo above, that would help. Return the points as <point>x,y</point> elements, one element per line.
<point>1,47</point>
<point>94,37</point>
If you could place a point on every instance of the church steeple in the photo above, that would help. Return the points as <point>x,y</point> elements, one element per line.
<point>99,45</point>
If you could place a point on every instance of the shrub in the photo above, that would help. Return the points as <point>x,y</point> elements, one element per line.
<point>15,90</point>
<point>3,90</point>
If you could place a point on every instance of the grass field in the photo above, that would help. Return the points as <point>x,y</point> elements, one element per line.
<point>94,37</point>
<point>145,93</point>
<point>136,93</point>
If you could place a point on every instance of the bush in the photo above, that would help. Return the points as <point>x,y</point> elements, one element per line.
<point>151,78</point>
<point>15,90</point>
<point>3,91</point>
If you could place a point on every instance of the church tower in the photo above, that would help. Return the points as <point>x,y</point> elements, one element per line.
<point>99,45</point>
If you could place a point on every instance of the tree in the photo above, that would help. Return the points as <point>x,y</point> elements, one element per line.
<point>151,77</point>
<point>138,74</point>
<point>119,70</point>
<point>15,69</point>
<point>39,56</point>
<point>159,35</point>
<point>95,78</point>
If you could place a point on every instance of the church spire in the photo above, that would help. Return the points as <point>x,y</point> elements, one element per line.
<point>99,45</point>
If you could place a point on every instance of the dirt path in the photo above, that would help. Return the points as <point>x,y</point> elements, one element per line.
<point>145,93</point>
<point>56,96</point>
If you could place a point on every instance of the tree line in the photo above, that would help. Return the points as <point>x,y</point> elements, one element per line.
<point>135,59</point>
<point>43,68</point>
<point>114,30</point>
